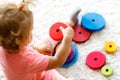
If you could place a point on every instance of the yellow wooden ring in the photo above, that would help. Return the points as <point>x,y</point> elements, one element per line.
<point>110,47</point>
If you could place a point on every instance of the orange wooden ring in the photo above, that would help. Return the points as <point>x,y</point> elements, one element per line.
<point>69,52</point>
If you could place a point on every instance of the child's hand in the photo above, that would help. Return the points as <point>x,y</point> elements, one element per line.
<point>67,32</point>
<point>62,53</point>
<point>46,45</point>
<point>45,49</point>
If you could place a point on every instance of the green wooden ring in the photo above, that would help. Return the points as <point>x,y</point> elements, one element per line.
<point>106,71</point>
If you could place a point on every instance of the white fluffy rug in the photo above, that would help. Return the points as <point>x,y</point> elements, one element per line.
<point>47,12</point>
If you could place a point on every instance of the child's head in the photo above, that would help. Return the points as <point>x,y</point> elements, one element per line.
<point>15,27</point>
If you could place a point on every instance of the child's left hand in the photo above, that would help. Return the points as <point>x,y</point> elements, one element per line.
<point>44,49</point>
<point>46,45</point>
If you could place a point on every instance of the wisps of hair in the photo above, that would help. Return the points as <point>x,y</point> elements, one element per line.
<point>24,4</point>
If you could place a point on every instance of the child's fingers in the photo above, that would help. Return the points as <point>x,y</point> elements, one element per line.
<point>61,28</point>
<point>70,23</point>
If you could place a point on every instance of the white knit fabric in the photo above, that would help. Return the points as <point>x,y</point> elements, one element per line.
<point>47,12</point>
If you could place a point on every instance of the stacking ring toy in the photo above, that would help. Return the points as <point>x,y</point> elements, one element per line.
<point>72,58</point>
<point>69,52</point>
<point>93,21</point>
<point>110,47</point>
<point>81,34</point>
<point>55,33</point>
<point>95,60</point>
<point>107,71</point>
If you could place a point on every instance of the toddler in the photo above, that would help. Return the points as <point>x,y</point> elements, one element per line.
<point>20,61</point>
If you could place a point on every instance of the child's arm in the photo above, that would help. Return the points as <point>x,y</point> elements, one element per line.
<point>61,54</point>
<point>47,45</point>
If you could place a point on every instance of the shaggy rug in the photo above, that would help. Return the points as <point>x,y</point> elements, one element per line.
<point>47,12</point>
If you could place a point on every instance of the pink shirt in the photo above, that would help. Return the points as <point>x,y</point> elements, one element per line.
<point>26,65</point>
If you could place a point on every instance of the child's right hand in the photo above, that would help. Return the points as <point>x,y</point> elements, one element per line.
<point>68,32</point>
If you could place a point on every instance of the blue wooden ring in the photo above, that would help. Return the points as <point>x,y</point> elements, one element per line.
<point>71,56</point>
<point>67,65</point>
<point>93,21</point>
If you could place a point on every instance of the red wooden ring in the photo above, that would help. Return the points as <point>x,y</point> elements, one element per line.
<point>95,60</point>
<point>81,34</point>
<point>55,33</point>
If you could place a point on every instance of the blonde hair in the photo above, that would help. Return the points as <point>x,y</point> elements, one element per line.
<point>15,27</point>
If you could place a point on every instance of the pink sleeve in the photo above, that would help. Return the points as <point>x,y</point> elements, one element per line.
<point>36,61</point>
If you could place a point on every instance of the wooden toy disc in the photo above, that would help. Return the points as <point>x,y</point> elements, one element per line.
<point>81,34</point>
<point>55,33</point>
<point>95,60</point>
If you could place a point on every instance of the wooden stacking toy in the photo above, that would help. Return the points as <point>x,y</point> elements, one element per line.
<point>110,47</point>
<point>106,71</point>
<point>80,34</point>
<point>95,60</point>
<point>72,55</point>
<point>69,52</point>
<point>93,21</point>
<point>55,32</point>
